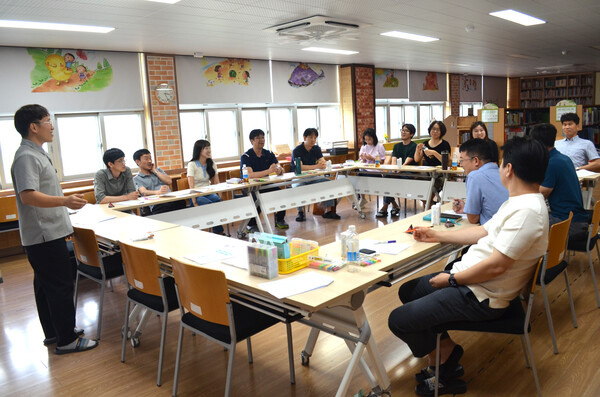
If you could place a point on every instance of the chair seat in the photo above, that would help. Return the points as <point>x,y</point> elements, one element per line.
<point>552,273</point>
<point>155,302</point>
<point>511,322</point>
<point>248,322</point>
<point>577,244</point>
<point>113,267</point>
<point>12,225</point>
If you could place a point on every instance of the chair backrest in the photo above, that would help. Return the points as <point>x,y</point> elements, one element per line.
<point>304,195</point>
<point>595,219</point>
<point>90,197</point>
<point>182,183</point>
<point>141,268</point>
<point>210,215</point>
<point>202,292</point>
<point>557,242</point>
<point>8,209</point>
<point>412,189</point>
<point>454,190</point>
<point>86,246</point>
<point>533,281</point>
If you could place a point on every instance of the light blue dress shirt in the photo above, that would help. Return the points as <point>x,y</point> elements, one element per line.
<point>485,193</point>
<point>580,151</point>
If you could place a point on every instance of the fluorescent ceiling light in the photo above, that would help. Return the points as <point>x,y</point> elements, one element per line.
<point>409,36</point>
<point>517,17</point>
<point>54,26</point>
<point>165,1</point>
<point>330,50</point>
<point>457,64</point>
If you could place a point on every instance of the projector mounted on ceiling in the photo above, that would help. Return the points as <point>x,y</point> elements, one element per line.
<point>315,28</point>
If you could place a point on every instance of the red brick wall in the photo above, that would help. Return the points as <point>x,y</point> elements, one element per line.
<point>455,94</point>
<point>364,108</point>
<point>165,117</point>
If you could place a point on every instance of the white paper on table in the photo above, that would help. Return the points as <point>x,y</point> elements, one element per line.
<point>296,284</point>
<point>382,247</point>
<point>229,254</point>
<point>89,215</point>
<point>141,224</point>
<point>129,202</point>
<point>178,193</point>
<point>584,173</point>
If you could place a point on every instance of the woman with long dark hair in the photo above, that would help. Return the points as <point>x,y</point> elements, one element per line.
<point>202,171</point>
<point>479,131</point>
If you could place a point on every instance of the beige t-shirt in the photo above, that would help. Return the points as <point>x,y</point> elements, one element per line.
<point>519,230</point>
<point>201,177</point>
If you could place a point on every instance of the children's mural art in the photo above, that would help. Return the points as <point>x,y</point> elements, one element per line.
<point>58,70</point>
<point>431,82</point>
<point>305,75</point>
<point>385,78</point>
<point>227,71</point>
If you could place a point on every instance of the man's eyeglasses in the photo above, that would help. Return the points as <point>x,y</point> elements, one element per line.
<point>44,122</point>
<point>467,159</point>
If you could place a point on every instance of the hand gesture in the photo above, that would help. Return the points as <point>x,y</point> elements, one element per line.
<point>425,234</point>
<point>322,163</point>
<point>458,206</point>
<point>440,280</point>
<point>163,189</point>
<point>133,195</point>
<point>273,168</point>
<point>420,146</point>
<point>75,201</point>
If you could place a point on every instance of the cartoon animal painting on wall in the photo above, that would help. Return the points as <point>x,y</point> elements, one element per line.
<point>54,72</point>
<point>228,71</point>
<point>303,75</point>
<point>385,78</point>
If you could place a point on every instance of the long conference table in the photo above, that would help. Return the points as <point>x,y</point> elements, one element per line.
<point>336,308</point>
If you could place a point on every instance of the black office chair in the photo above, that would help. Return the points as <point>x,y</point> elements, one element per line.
<point>514,321</point>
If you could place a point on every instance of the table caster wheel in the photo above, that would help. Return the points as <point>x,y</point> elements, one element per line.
<point>305,359</point>
<point>135,339</point>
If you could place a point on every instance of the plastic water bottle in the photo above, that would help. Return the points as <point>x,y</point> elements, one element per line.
<point>352,249</point>
<point>436,214</point>
<point>455,159</point>
<point>377,162</point>
<point>245,173</point>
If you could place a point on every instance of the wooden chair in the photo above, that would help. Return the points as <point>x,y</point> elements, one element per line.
<point>90,197</point>
<point>514,321</point>
<point>93,264</point>
<point>208,309</point>
<point>554,263</point>
<point>587,244</point>
<point>182,183</point>
<point>148,289</point>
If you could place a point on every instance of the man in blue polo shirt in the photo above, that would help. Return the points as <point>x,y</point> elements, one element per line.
<point>561,186</point>
<point>260,162</point>
<point>582,152</point>
<point>485,193</point>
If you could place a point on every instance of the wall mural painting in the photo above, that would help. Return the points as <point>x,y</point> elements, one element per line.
<point>228,71</point>
<point>431,82</point>
<point>470,84</point>
<point>385,78</point>
<point>58,70</point>
<point>304,74</point>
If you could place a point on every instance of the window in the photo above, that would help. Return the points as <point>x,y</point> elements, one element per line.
<point>10,142</point>
<point>381,122</point>
<point>80,145</point>
<point>465,106</point>
<point>396,122</point>
<point>222,133</point>
<point>410,115</point>
<point>192,129</point>
<point>330,128</point>
<point>125,132</point>
<point>427,114</point>
<point>282,129</point>
<point>253,119</point>
<point>307,118</point>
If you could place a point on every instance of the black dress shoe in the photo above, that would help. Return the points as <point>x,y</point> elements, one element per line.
<point>301,217</point>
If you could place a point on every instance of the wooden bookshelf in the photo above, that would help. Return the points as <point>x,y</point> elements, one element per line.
<point>456,127</point>
<point>591,124</point>
<point>546,91</point>
<point>519,121</point>
<point>496,130</point>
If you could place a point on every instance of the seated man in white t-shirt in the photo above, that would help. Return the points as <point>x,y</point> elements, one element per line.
<point>480,286</point>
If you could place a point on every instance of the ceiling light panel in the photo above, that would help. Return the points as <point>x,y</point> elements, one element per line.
<point>329,50</point>
<point>518,17</point>
<point>409,36</point>
<point>54,26</point>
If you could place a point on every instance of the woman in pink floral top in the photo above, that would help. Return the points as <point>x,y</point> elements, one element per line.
<point>371,149</point>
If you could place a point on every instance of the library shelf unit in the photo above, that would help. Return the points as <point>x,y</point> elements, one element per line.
<point>591,124</point>
<point>520,121</point>
<point>458,128</point>
<point>546,91</point>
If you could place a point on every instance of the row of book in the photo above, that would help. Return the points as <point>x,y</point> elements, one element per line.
<point>591,115</point>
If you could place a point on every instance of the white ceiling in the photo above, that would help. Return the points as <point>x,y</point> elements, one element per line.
<point>235,28</point>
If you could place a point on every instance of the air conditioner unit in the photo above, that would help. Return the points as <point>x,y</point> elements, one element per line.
<point>315,28</point>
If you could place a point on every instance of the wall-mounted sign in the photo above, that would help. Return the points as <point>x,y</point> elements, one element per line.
<point>489,113</point>
<point>565,106</point>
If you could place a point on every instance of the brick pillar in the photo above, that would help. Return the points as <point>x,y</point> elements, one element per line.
<point>165,117</point>
<point>455,94</point>
<point>357,86</point>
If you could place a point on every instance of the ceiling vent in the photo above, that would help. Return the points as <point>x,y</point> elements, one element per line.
<point>315,28</point>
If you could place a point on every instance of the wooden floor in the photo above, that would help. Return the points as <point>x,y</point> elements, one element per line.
<point>494,364</point>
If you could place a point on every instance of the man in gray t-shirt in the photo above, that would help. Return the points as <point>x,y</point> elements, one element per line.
<point>115,182</point>
<point>43,225</point>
